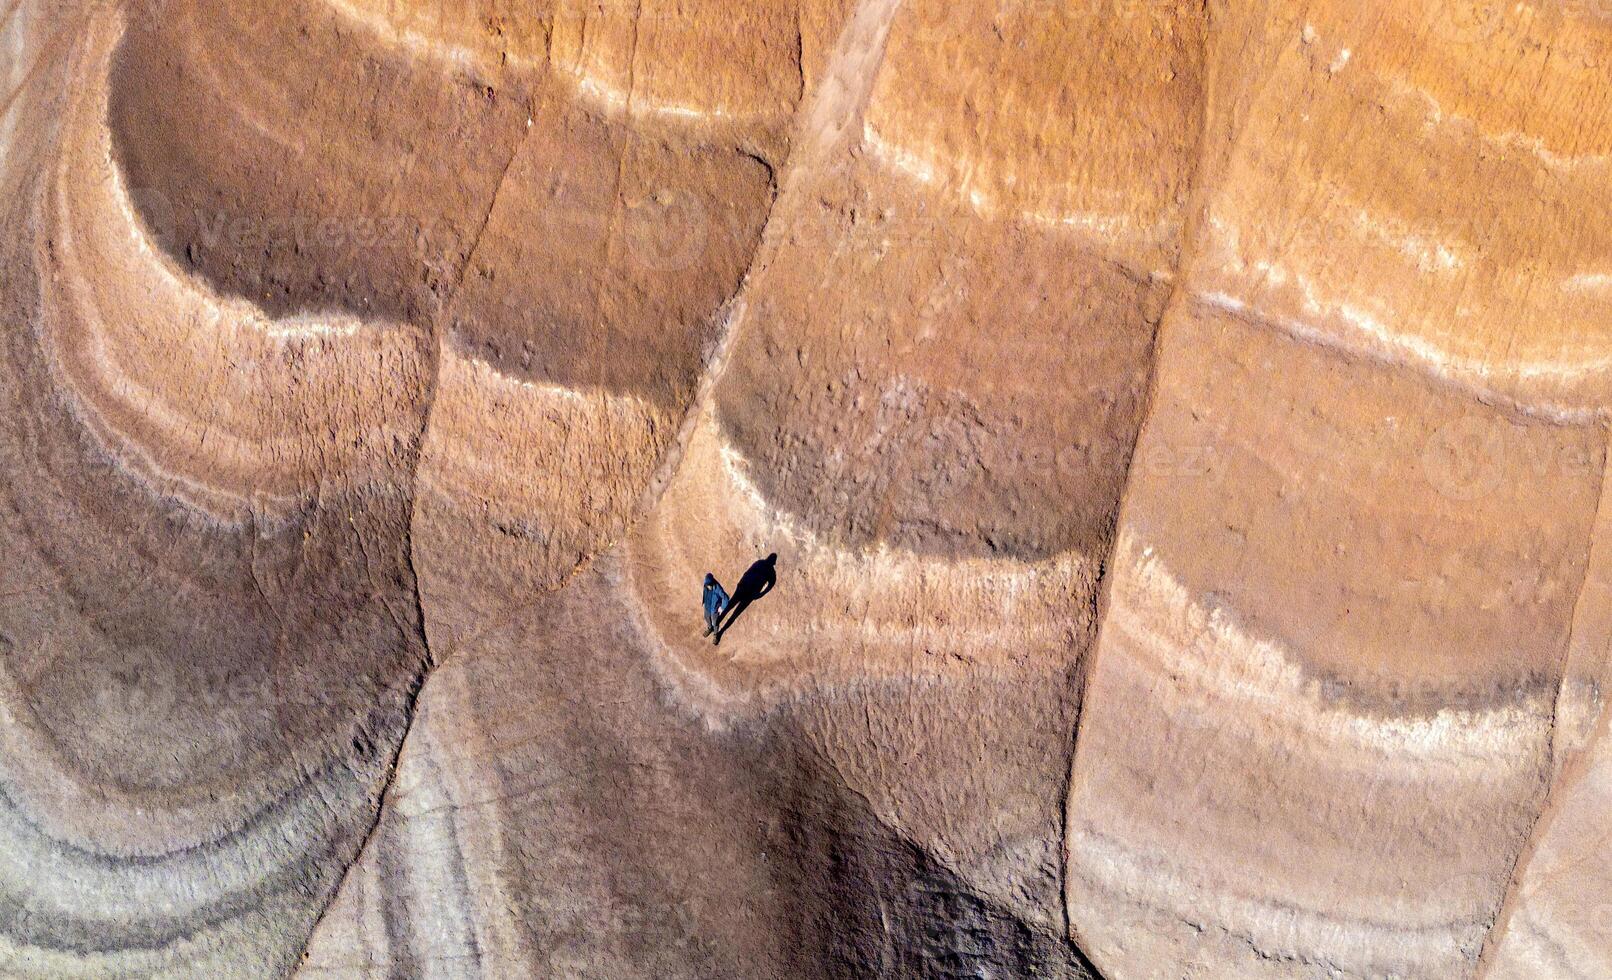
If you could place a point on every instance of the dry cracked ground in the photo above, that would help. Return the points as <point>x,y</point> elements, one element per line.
<point>1181,427</point>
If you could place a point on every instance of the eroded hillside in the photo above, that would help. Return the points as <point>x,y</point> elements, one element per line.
<point>1180,429</point>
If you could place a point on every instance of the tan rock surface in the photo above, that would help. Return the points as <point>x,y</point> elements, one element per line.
<point>1179,430</point>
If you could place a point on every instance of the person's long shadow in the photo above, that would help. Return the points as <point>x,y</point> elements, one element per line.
<point>756,582</point>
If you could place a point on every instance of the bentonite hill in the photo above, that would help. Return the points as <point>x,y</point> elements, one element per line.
<point>1180,427</point>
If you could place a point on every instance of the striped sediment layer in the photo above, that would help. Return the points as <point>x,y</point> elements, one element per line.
<point>1180,433</point>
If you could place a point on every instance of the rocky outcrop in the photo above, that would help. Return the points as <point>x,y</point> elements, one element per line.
<point>1177,430</point>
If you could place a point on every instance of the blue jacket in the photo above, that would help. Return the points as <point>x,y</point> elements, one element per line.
<point>716,598</point>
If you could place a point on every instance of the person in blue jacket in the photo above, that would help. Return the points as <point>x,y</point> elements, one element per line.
<point>716,603</point>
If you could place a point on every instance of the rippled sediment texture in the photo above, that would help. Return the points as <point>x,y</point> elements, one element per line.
<point>1181,429</point>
